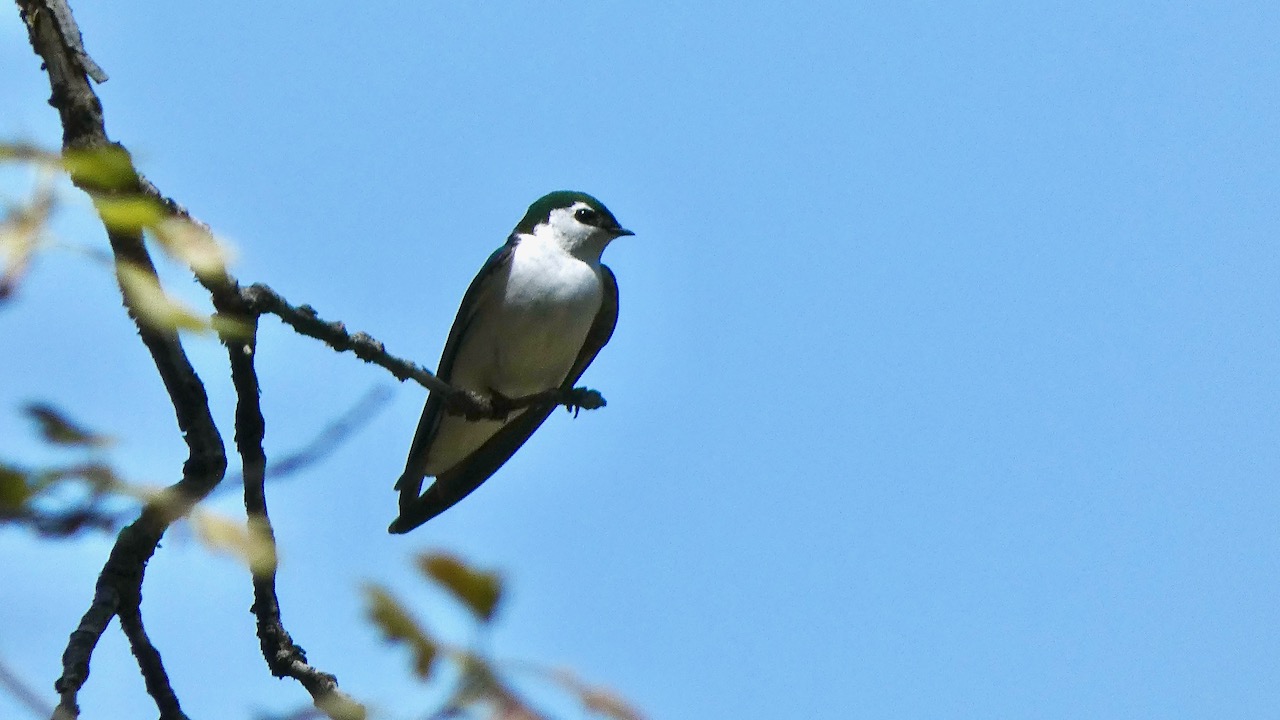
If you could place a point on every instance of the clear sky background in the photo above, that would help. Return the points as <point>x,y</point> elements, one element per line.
<point>945,384</point>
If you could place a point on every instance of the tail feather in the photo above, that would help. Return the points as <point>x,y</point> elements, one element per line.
<point>443,494</point>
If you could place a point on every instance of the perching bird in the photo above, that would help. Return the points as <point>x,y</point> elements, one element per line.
<point>533,319</point>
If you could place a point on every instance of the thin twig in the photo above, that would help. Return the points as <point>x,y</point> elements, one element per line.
<point>475,406</point>
<point>23,692</point>
<point>261,300</point>
<point>304,319</point>
<point>74,42</point>
<point>330,438</point>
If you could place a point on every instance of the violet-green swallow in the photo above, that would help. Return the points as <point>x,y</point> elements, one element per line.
<point>533,319</point>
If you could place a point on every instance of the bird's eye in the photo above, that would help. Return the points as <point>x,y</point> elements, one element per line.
<point>587,216</point>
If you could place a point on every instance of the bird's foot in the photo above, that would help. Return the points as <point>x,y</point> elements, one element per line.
<point>476,406</point>
<point>582,398</point>
<point>500,405</point>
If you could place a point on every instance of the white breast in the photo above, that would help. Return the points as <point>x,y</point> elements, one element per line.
<point>550,302</point>
<point>524,339</point>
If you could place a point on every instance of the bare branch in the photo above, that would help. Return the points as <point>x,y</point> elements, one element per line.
<point>475,406</point>
<point>283,656</point>
<point>149,662</point>
<point>262,299</point>
<point>75,42</point>
<point>55,38</point>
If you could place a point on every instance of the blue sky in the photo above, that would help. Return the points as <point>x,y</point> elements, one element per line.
<point>944,385</point>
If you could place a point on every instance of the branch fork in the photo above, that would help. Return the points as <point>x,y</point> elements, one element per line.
<point>56,39</point>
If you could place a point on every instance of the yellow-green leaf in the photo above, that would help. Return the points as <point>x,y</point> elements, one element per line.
<point>129,213</point>
<point>479,590</point>
<point>399,626</point>
<point>251,542</point>
<point>15,489</point>
<point>233,328</point>
<point>60,430</point>
<point>153,306</point>
<point>195,246</point>
<point>104,168</point>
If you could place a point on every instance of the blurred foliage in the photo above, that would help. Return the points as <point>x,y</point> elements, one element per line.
<point>161,311</point>
<point>102,169</point>
<point>194,246</point>
<point>85,493</point>
<point>250,541</point>
<point>21,232</point>
<point>153,306</point>
<point>88,493</point>
<point>56,428</point>
<point>63,500</point>
<point>113,184</point>
<point>483,685</point>
<point>478,590</point>
<point>399,626</point>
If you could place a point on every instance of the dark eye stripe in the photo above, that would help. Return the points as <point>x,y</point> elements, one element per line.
<point>587,216</point>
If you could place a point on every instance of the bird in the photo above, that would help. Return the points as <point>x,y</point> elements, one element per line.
<point>533,319</point>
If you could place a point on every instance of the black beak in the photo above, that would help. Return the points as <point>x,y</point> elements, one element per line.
<point>619,232</point>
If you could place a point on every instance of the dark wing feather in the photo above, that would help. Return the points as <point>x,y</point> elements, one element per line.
<point>601,330</point>
<point>459,481</point>
<point>410,482</point>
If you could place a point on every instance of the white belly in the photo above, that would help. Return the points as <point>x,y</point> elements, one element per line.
<point>524,340</point>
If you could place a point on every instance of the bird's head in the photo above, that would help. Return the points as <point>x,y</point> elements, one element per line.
<point>575,221</point>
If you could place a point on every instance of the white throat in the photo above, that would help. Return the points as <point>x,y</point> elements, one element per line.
<point>584,242</point>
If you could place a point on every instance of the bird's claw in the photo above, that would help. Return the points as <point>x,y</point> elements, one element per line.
<point>476,406</point>
<point>500,405</point>
<point>581,398</point>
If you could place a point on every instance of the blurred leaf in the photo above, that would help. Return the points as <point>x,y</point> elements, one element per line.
<point>479,590</point>
<point>129,213</point>
<point>398,625</point>
<point>103,168</point>
<point>608,704</point>
<point>25,152</point>
<point>71,513</point>
<point>58,429</point>
<point>511,707</point>
<point>100,477</point>
<point>479,683</point>
<point>597,699</point>
<point>15,489</point>
<point>232,328</point>
<point>340,706</point>
<point>20,233</point>
<point>251,542</point>
<point>194,246</point>
<point>153,306</point>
